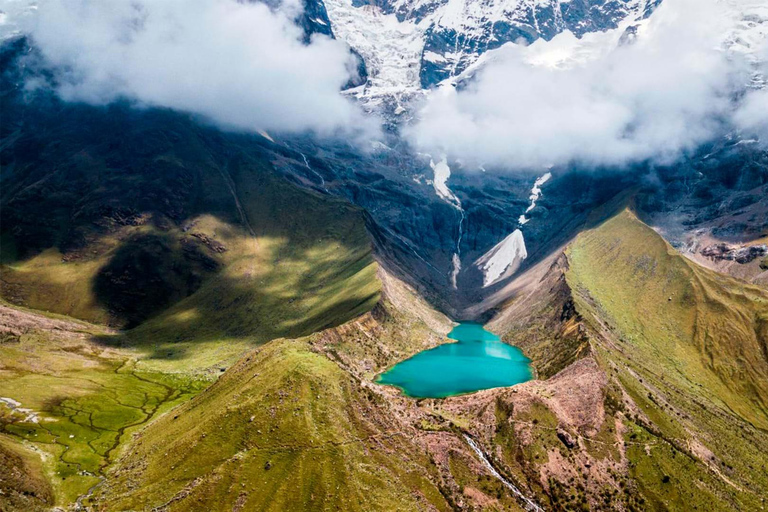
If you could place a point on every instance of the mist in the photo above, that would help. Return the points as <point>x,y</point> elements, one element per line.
<point>656,98</point>
<point>241,65</point>
<point>752,115</point>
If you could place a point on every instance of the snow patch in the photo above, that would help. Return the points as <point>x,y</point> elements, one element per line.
<point>440,182</point>
<point>456,269</point>
<point>535,195</point>
<point>434,57</point>
<point>266,135</point>
<point>390,48</point>
<point>503,259</point>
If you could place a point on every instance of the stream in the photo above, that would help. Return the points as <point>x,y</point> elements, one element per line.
<point>529,504</point>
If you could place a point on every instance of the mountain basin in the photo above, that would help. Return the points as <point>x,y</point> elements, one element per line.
<point>478,360</point>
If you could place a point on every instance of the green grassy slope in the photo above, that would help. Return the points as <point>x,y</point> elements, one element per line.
<point>81,401</point>
<point>666,408</point>
<point>23,484</point>
<point>284,429</point>
<point>197,293</point>
<point>146,220</point>
<point>689,347</point>
<point>201,251</point>
<point>278,261</point>
<point>307,268</point>
<point>706,329</point>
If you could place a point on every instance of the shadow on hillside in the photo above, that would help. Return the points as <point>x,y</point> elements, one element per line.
<point>121,185</point>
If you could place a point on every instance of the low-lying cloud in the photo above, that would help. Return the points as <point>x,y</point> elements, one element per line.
<point>669,91</point>
<point>752,115</point>
<point>239,64</point>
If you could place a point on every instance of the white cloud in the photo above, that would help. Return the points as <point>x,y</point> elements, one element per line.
<point>239,64</point>
<point>752,115</point>
<point>657,98</point>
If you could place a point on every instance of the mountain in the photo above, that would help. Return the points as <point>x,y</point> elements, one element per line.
<point>413,45</point>
<point>651,396</point>
<point>194,319</point>
<point>631,404</point>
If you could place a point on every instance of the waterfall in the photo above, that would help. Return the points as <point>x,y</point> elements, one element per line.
<point>440,183</point>
<point>309,167</point>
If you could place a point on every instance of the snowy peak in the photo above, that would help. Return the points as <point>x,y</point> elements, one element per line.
<point>409,45</point>
<point>462,30</point>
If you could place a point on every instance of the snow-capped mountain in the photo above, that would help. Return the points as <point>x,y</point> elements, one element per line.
<point>459,232</point>
<point>412,45</point>
<point>409,45</point>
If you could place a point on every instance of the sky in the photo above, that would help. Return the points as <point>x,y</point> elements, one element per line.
<point>238,64</point>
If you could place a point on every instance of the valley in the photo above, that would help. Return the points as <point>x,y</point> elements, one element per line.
<point>613,420</point>
<point>198,316</point>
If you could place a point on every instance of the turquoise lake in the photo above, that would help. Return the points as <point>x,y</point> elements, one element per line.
<point>479,360</point>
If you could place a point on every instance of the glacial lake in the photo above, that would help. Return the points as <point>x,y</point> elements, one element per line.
<point>479,360</point>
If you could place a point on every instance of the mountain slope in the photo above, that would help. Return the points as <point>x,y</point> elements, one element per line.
<point>708,327</point>
<point>68,404</point>
<point>409,45</point>
<point>149,221</point>
<point>299,424</point>
<point>294,425</point>
<point>23,485</point>
<point>662,384</point>
<point>285,428</point>
<point>632,404</point>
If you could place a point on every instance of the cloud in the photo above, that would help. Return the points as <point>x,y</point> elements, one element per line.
<point>752,115</point>
<point>239,64</point>
<point>657,98</point>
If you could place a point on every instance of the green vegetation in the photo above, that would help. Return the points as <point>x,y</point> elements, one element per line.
<point>284,429</point>
<point>23,484</point>
<point>204,295</point>
<point>197,299</point>
<point>201,255</point>
<point>662,403</point>
<point>707,329</point>
<point>185,235</point>
<point>80,402</point>
<point>305,269</point>
<point>688,347</point>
